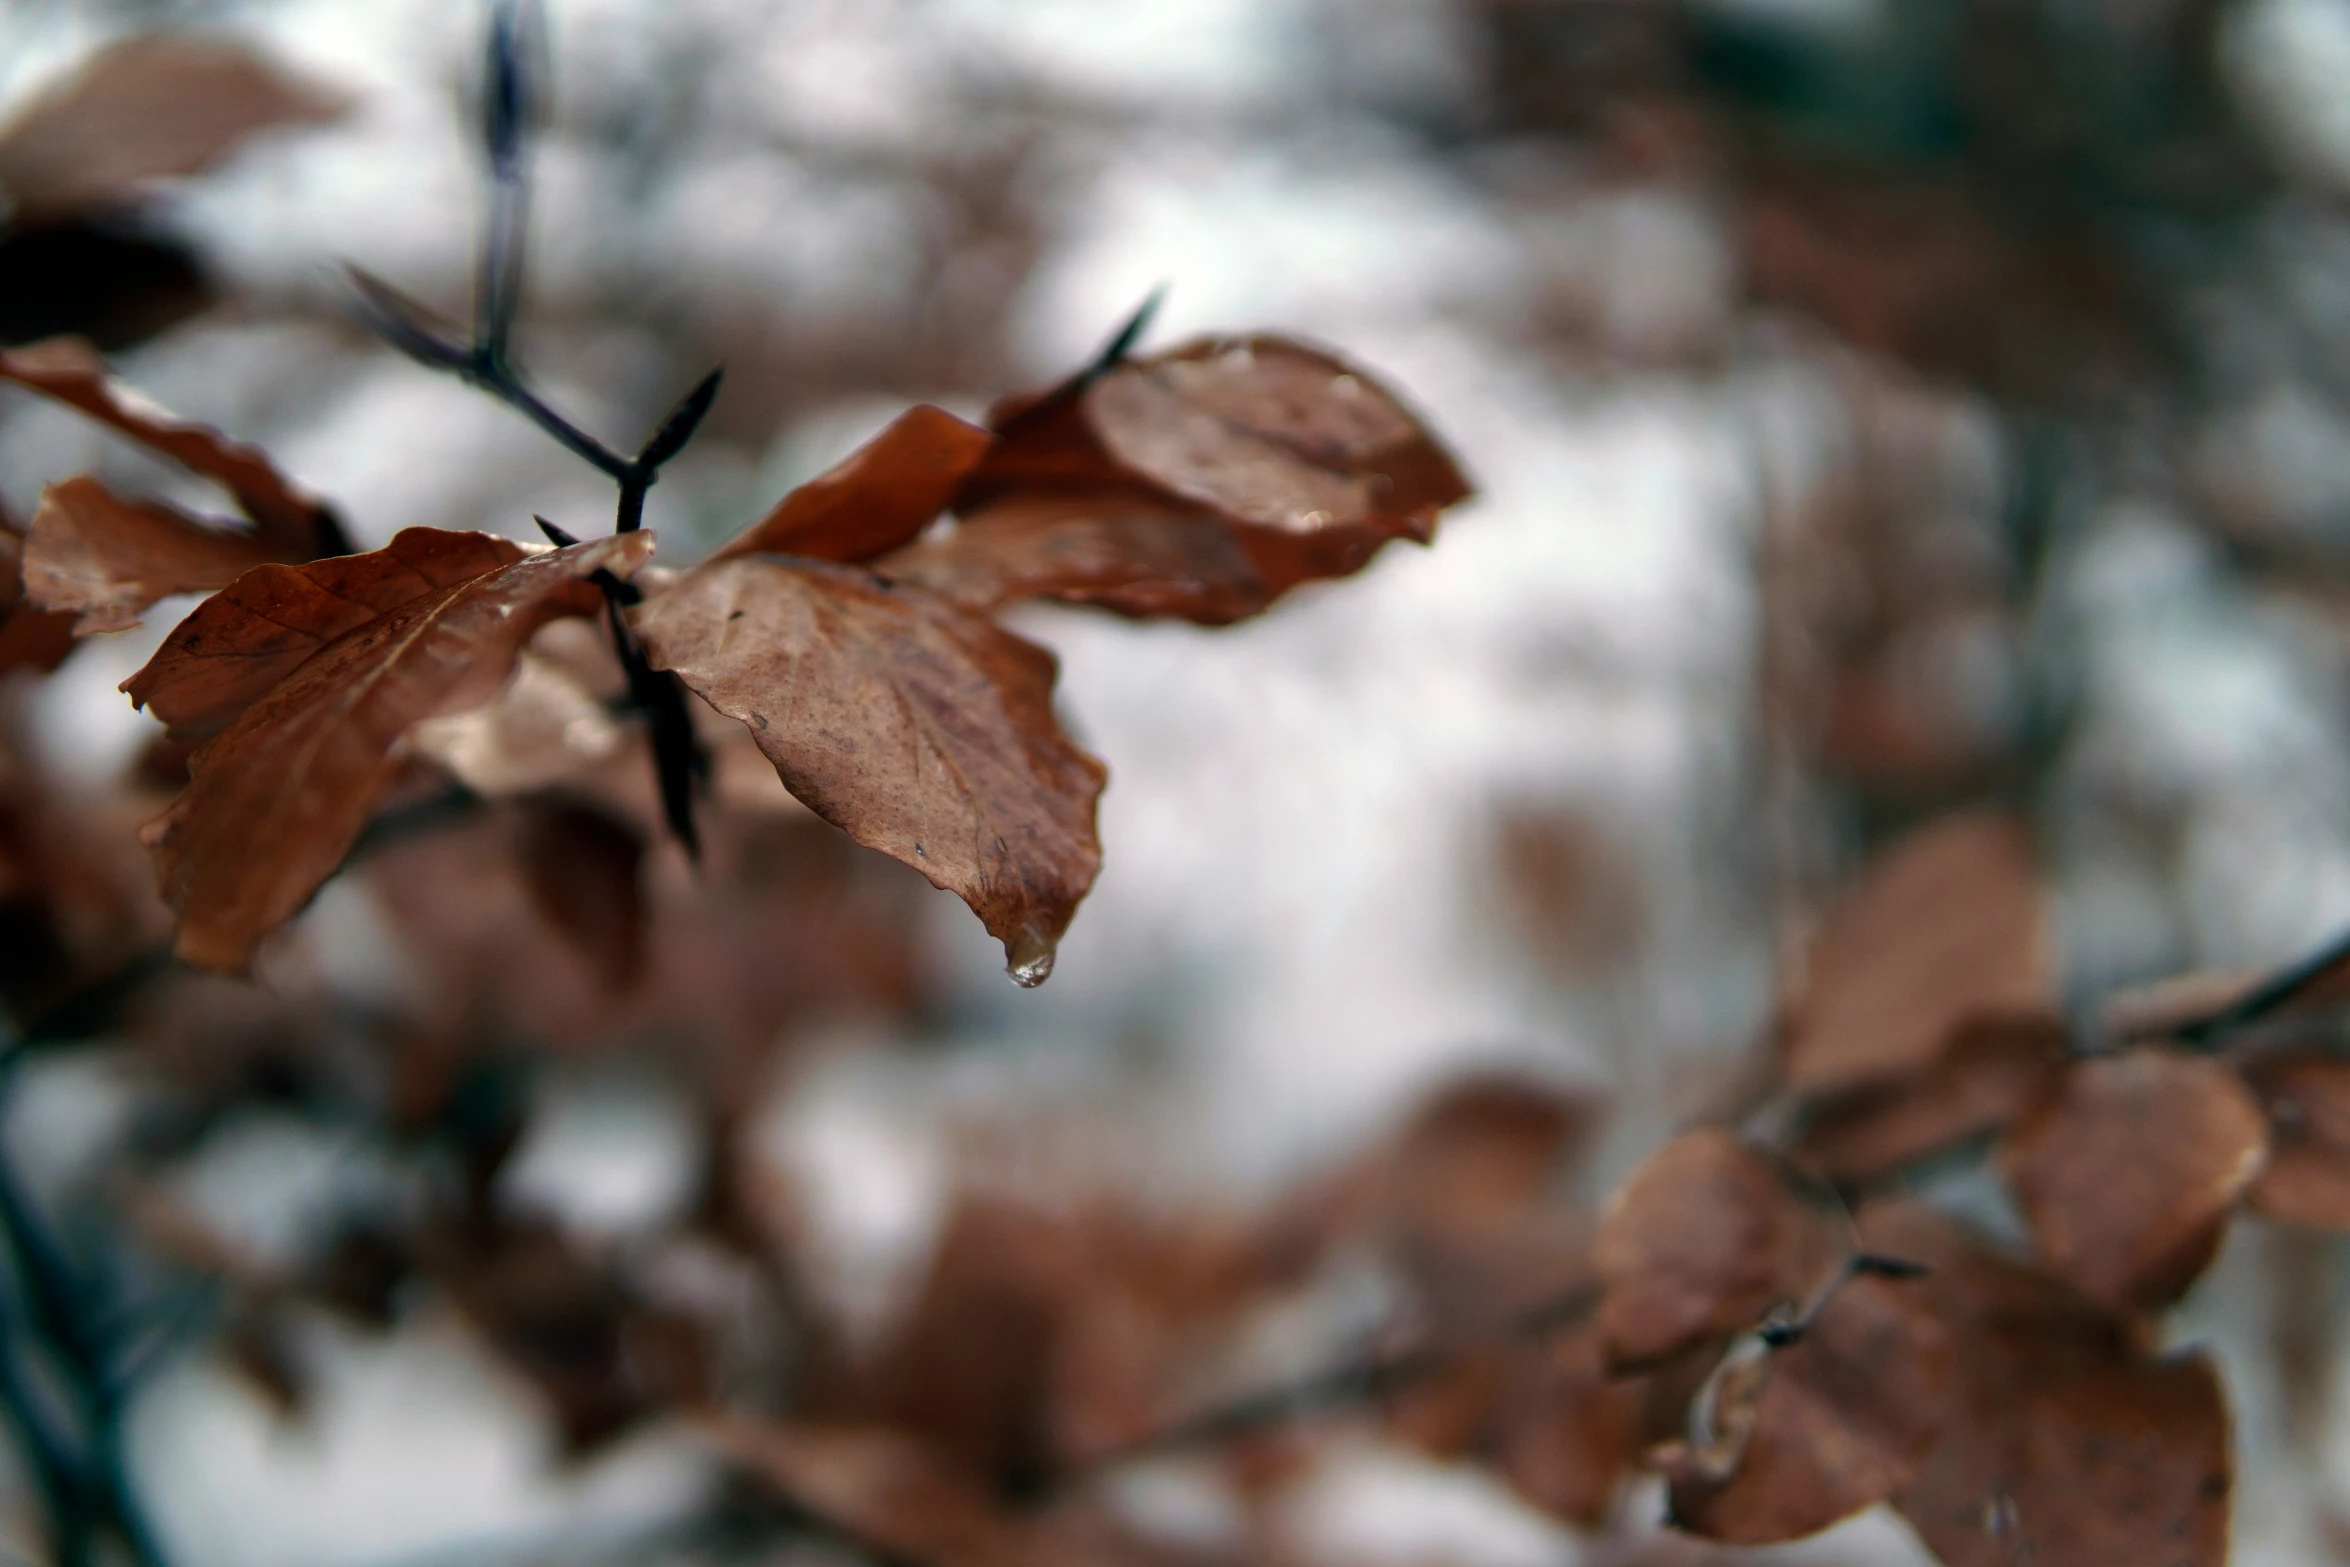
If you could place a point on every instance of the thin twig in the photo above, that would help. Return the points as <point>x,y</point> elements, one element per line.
<point>1364,1381</point>
<point>485,362</point>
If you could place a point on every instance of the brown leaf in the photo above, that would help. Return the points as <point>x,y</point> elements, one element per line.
<point>878,497</point>
<point>1840,1421</point>
<point>1703,1239</point>
<point>243,640</point>
<point>105,559</point>
<point>2306,1096</point>
<point>149,107</point>
<point>583,866</point>
<point>2061,1439</point>
<point>1943,931</point>
<point>1119,549</point>
<point>30,637</point>
<point>1992,1073</point>
<point>878,1485</point>
<point>288,523</point>
<point>917,728</point>
<point>278,797</point>
<point>2129,1171</point>
<point>1313,462</point>
<point>1566,1432</point>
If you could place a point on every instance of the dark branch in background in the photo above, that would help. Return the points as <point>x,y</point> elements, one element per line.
<point>486,362</point>
<point>2276,990</point>
<point>1369,1380</point>
<point>51,1313</point>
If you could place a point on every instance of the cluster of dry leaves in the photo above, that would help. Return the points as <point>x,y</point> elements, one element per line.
<point>1765,1313</point>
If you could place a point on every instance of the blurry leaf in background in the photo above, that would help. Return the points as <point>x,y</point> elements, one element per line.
<point>2306,1097</point>
<point>2129,1170</point>
<point>583,866</point>
<point>1943,930</point>
<point>2063,1439</point>
<point>115,279</point>
<point>105,559</point>
<point>915,727</point>
<point>151,106</point>
<point>309,758</point>
<point>1993,1072</point>
<point>1703,1239</point>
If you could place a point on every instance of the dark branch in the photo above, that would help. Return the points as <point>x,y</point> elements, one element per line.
<point>1370,1380</point>
<point>2270,994</point>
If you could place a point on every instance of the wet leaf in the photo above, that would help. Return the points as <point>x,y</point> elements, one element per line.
<point>289,524</point>
<point>2306,1097</point>
<point>1313,462</point>
<point>105,559</point>
<point>878,497</point>
<point>1839,1421</point>
<point>1991,1074</point>
<point>2129,1171</point>
<point>920,730</point>
<point>151,106</point>
<point>2062,1440</point>
<point>1124,550</point>
<point>1703,1239</point>
<point>1943,931</point>
<point>277,798</point>
<point>243,640</point>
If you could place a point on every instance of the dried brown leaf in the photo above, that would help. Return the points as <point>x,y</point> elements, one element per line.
<point>1840,1421</point>
<point>2306,1096</point>
<point>1125,550</point>
<point>243,640</point>
<point>917,728</point>
<point>105,559</point>
<point>149,107</point>
<point>1703,1239</point>
<point>1311,460</point>
<point>878,497</point>
<point>2128,1172</point>
<point>278,797</point>
<point>1943,931</point>
<point>288,523</point>
<point>1993,1072</point>
<point>2062,1439</point>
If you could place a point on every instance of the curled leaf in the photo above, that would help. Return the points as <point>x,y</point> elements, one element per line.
<point>2129,1171</point>
<point>1121,549</point>
<point>104,559</point>
<point>918,729</point>
<point>289,524</point>
<point>244,639</point>
<point>1992,1073</point>
<point>2306,1097</point>
<point>1833,1423</point>
<point>1942,932</point>
<point>276,799</point>
<point>1312,462</point>
<point>878,497</point>
<point>149,107</point>
<point>1703,1239</point>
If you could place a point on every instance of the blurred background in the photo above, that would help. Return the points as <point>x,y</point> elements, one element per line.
<point>1877,405</point>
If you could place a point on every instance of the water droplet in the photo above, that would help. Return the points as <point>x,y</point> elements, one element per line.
<point>1028,958</point>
